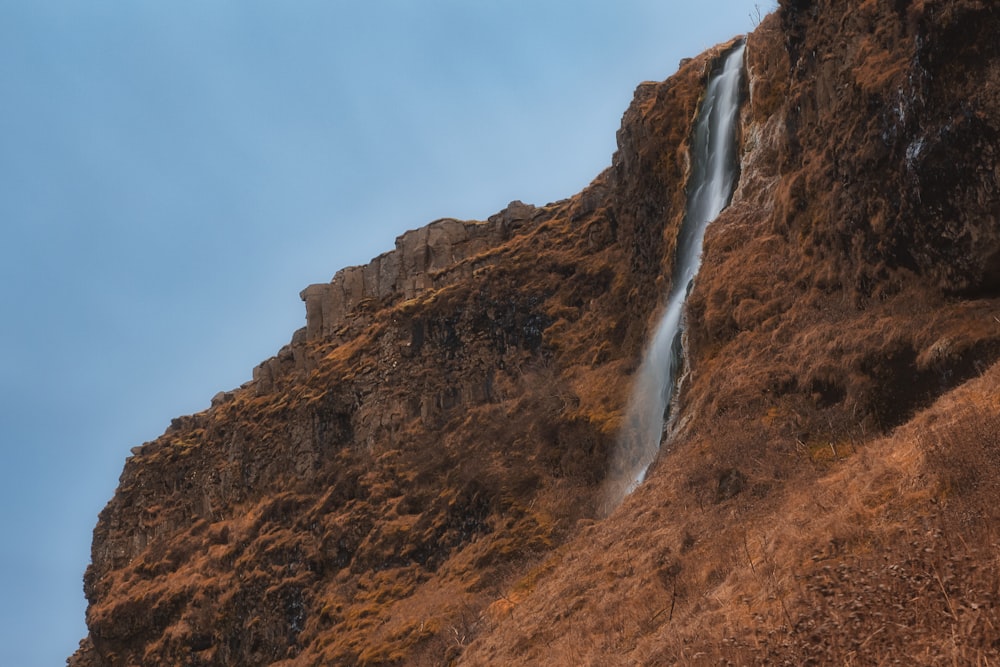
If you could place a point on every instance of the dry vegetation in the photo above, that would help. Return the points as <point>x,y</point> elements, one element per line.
<point>423,488</point>
<point>370,505</point>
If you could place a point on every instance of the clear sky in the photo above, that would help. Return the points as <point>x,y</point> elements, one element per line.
<point>172,174</point>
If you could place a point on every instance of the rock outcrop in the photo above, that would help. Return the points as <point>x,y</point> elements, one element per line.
<point>430,257</point>
<point>415,479</point>
<point>425,258</point>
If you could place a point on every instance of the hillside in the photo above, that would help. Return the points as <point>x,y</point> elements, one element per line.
<point>417,477</point>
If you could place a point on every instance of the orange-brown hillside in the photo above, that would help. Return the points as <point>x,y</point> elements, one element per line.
<point>416,478</point>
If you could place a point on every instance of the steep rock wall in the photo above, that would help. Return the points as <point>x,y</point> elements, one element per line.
<point>825,496</point>
<point>413,480</point>
<point>440,424</point>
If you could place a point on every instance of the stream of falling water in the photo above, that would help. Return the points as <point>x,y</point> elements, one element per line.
<point>714,171</point>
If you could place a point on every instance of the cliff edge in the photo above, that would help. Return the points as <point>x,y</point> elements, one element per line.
<point>416,478</point>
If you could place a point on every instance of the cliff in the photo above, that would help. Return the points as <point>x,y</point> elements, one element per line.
<point>416,478</point>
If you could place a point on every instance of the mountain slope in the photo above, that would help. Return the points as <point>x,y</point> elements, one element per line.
<point>416,478</point>
<point>827,492</point>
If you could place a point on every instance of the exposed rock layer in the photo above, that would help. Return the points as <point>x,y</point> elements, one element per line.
<point>415,478</point>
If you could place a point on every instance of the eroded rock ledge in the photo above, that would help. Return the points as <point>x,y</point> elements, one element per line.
<point>420,256</point>
<point>425,258</point>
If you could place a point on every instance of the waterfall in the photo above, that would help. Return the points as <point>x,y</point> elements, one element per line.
<point>714,171</point>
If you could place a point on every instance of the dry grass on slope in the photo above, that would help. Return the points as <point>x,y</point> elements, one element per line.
<point>889,553</point>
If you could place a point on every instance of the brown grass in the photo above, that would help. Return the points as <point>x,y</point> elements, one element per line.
<point>420,489</point>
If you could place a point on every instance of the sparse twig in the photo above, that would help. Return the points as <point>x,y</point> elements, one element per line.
<point>673,601</point>
<point>788,617</point>
<point>870,637</point>
<point>947,598</point>
<point>746,549</point>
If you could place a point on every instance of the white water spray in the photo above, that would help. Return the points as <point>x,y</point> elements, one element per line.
<point>713,176</point>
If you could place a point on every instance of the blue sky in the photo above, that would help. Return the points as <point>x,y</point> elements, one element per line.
<point>172,174</point>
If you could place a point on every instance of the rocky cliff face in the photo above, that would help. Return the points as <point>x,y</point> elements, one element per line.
<point>415,478</point>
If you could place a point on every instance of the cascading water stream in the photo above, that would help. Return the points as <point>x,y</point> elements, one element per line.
<point>713,177</point>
